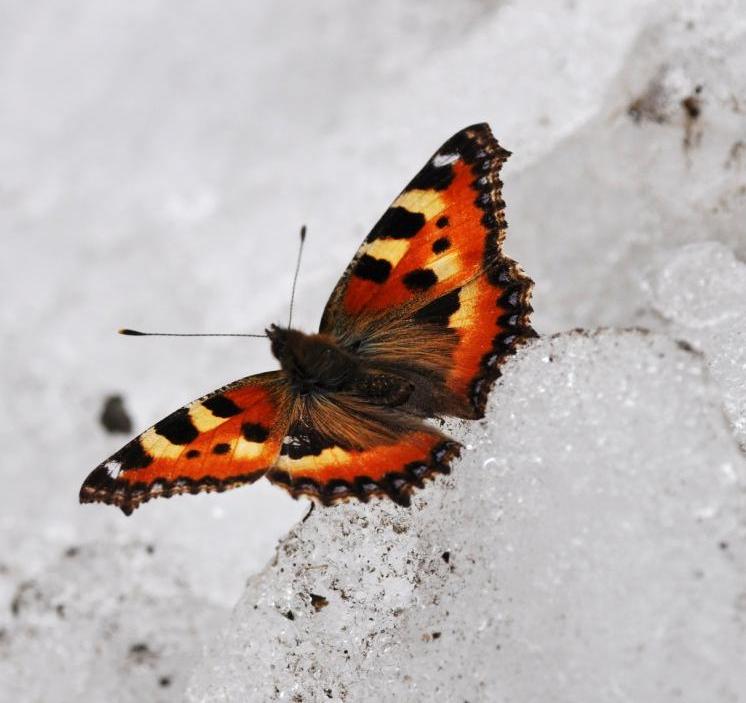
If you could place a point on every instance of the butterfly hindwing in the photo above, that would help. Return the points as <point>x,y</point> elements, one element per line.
<point>432,272</point>
<point>227,438</point>
<point>341,448</point>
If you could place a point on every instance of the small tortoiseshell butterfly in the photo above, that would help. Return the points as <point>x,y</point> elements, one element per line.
<point>416,328</point>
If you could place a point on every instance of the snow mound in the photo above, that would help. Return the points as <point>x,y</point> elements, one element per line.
<point>589,546</point>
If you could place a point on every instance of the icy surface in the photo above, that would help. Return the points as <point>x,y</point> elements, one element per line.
<point>155,166</point>
<point>701,291</point>
<point>590,546</point>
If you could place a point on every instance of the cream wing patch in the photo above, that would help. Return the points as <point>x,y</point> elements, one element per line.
<point>203,419</point>
<point>391,250</point>
<point>157,445</point>
<point>428,202</point>
<point>314,462</point>
<point>464,317</point>
<point>446,265</point>
<point>243,449</point>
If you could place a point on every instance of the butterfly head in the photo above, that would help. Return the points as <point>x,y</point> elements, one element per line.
<point>312,361</point>
<point>278,337</point>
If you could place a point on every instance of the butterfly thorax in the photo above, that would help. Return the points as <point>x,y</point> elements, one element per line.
<point>312,362</point>
<point>316,363</point>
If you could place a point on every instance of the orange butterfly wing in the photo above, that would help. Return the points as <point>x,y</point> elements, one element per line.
<point>391,470</point>
<point>222,440</point>
<point>430,278</point>
<point>337,449</point>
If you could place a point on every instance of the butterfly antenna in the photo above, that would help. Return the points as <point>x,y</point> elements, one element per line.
<point>297,270</point>
<point>136,333</point>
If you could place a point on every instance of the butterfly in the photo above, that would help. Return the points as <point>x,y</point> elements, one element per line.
<point>417,328</point>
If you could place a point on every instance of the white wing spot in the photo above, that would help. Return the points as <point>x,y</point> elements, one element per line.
<point>113,468</point>
<point>440,160</point>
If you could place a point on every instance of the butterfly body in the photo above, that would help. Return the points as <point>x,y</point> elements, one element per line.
<point>313,363</point>
<point>318,365</point>
<point>417,328</point>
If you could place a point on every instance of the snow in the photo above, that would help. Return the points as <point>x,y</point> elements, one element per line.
<point>589,547</point>
<point>701,291</point>
<point>155,168</point>
<point>94,622</point>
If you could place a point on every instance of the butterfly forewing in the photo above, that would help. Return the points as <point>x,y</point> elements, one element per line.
<point>220,441</point>
<point>430,286</point>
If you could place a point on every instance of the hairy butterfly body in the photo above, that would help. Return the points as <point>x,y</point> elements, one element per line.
<point>416,328</point>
